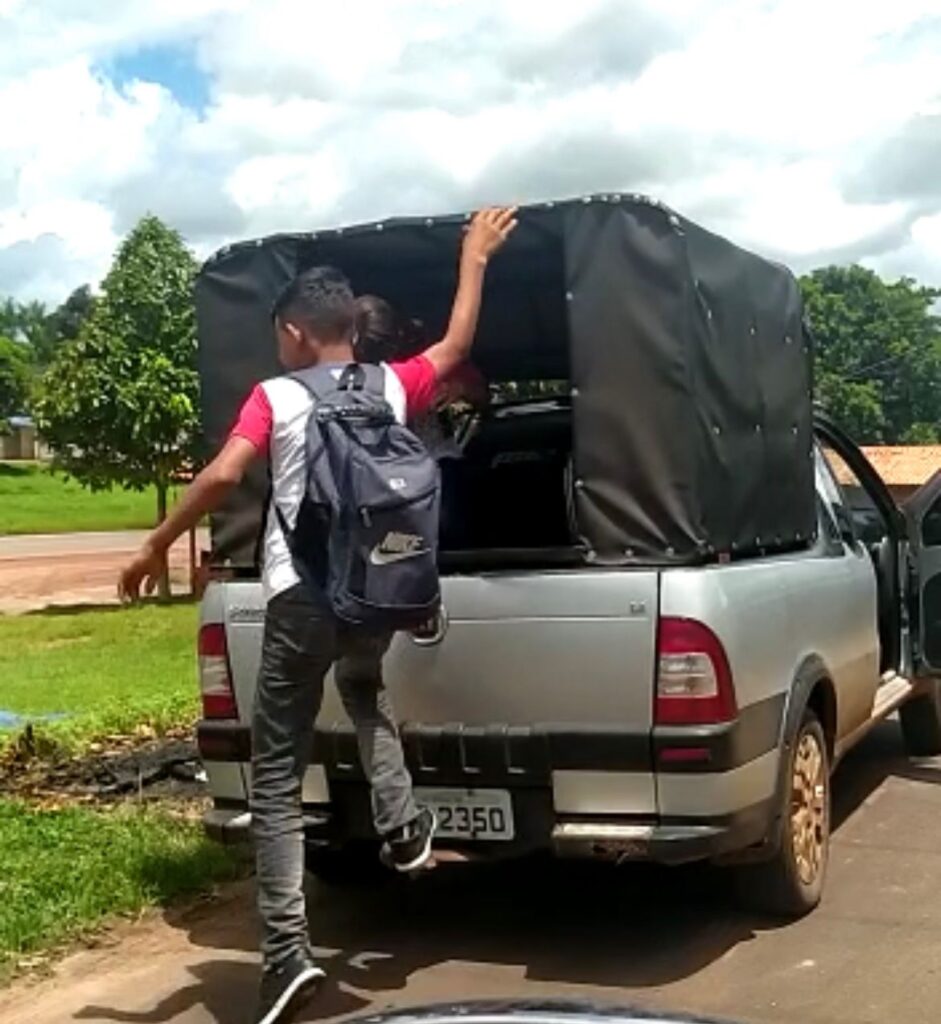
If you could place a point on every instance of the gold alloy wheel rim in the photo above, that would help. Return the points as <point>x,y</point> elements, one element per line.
<point>809,808</point>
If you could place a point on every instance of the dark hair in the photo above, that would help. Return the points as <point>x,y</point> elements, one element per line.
<point>319,299</point>
<point>384,333</point>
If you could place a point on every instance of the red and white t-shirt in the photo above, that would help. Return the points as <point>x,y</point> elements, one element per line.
<point>274,418</point>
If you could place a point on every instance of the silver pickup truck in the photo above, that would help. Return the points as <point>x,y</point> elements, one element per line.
<point>600,699</point>
<point>542,711</point>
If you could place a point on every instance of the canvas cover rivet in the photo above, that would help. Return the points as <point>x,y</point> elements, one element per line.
<point>569,296</point>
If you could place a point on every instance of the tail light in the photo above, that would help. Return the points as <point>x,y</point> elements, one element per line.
<point>694,681</point>
<point>215,677</point>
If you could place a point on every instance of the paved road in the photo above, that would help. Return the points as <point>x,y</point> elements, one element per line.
<point>871,953</point>
<point>72,568</point>
<point>58,545</point>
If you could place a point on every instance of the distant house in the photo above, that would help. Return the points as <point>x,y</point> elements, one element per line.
<point>905,468</point>
<point>21,442</point>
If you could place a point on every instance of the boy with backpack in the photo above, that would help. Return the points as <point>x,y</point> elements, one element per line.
<point>327,545</point>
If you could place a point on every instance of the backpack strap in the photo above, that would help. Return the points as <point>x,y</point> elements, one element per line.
<point>315,390</point>
<point>375,379</point>
<point>354,377</point>
<point>266,507</point>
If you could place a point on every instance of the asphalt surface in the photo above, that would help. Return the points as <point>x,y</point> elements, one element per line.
<point>62,544</point>
<point>655,937</point>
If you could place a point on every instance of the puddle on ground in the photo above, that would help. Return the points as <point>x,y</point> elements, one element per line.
<point>11,720</point>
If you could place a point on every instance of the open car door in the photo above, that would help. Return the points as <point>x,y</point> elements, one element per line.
<point>924,526</point>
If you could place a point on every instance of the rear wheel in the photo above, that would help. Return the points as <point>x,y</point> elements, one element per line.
<point>791,882</point>
<point>921,722</point>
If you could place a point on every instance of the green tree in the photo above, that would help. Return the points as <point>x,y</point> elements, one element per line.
<point>42,331</point>
<point>26,322</point>
<point>878,354</point>
<point>118,405</point>
<point>15,374</point>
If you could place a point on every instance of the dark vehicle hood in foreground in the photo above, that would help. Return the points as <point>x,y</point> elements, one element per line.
<point>529,1012</point>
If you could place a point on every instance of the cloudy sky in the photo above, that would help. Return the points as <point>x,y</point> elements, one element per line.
<point>809,130</point>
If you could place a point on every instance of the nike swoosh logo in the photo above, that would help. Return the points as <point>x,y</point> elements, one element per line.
<point>377,557</point>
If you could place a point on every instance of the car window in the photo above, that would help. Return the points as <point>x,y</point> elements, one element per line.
<point>846,489</point>
<point>829,531</point>
<point>828,494</point>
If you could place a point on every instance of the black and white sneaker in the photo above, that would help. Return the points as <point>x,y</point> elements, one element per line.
<point>284,986</point>
<point>409,848</point>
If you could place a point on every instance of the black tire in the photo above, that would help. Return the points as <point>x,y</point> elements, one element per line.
<point>788,885</point>
<point>920,718</point>
<point>356,864</point>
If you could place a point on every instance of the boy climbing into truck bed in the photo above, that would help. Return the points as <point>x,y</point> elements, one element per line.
<point>314,319</point>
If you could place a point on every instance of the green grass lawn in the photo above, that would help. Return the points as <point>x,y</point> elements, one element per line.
<point>65,871</point>
<point>106,670</point>
<point>34,500</point>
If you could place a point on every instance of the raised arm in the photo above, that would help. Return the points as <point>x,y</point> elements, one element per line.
<point>487,232</point>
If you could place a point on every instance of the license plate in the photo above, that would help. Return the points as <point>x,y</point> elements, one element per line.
<point>469,813</point>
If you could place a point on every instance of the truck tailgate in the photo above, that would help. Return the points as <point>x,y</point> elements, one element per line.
<point>549,674</point>
<point>565,648</point>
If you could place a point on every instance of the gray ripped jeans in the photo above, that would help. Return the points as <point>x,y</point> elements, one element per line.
<point>301,643</point>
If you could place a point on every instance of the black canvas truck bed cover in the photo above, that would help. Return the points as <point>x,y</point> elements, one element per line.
<point>689,366</point>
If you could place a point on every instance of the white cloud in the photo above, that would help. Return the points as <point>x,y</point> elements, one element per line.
<point>919,256</point>
<point>786,124</point>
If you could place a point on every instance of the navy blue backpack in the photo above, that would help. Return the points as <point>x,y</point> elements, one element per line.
<point>366,534</point>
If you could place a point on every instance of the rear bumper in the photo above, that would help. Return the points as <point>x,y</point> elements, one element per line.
<point>513,755</point>
<point>612,806</point>
<point>677,842</point>
<point>228,826</point>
